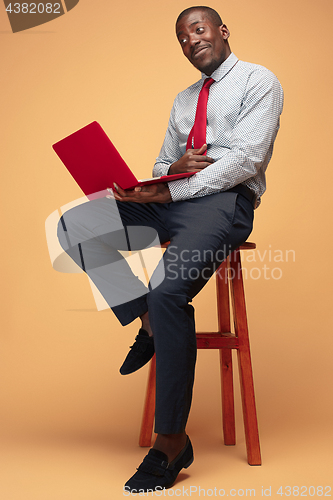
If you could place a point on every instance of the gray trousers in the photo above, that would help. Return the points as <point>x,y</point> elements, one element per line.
<point>202,232</point>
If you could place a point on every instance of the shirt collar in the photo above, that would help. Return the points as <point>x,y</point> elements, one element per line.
<point>223,69</point>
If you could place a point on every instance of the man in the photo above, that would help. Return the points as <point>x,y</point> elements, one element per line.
<point>210,213</point>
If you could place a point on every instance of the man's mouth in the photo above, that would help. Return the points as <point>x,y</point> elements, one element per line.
<point>199,51</point>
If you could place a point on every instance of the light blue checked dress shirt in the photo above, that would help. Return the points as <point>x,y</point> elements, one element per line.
<point>244,106</point>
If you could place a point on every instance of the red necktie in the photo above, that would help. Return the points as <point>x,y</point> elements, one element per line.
<point>197,135</point>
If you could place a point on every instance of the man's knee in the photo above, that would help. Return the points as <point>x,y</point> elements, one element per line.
<point>65,226</point>
<point>71,227</point>
<point>165,296</point>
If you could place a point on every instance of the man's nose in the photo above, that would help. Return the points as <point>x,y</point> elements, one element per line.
<point>194,39</point>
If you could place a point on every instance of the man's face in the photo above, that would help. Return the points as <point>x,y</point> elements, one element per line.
<point>203,43</point>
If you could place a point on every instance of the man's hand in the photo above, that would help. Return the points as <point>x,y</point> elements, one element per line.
<point>192,161</point>
<point>153,193</point>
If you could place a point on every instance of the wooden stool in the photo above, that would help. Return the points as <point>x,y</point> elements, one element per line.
<point>223,340</point>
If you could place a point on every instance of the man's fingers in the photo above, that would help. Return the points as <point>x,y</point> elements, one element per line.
<point>120,194</point>
<point>201,150</point>
<point>138,194</point>
<point>118,189</point>
<point>200,158</point>
<point>156,193</point>
<point>197,166</point>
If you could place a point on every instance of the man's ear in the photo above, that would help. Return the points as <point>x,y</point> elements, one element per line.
<point>224,31</point>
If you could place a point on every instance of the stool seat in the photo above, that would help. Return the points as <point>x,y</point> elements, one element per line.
<point>230,292</point>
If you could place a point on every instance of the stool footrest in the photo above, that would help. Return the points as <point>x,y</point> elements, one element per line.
<point>217,340</point>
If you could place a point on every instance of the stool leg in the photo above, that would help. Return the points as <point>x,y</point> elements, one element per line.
<point>149,407</point>
<point>227,388</point>
<point>228,408</point>
<point>244,362</point>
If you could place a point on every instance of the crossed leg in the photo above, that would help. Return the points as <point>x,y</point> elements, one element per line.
<point>202,232</point>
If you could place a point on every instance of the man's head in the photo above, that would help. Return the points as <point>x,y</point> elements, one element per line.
<point>203,38</point>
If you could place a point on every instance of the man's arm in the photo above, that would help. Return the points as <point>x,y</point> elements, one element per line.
<point>250,146</point>
<point>174,161</point>
<point>193,160</point>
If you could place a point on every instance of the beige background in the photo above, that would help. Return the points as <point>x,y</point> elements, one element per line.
<point>69,421</point>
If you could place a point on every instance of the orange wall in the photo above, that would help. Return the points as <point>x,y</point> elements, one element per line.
<point>120,64</point>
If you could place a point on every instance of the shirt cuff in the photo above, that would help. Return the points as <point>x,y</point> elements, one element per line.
<point>179,190</point>
<point>160,169</point>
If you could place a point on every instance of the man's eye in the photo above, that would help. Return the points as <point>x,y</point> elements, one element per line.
<point>183,40</point>
<point>200,30</point>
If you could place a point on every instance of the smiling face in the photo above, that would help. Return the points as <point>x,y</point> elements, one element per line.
<point>203,43</point>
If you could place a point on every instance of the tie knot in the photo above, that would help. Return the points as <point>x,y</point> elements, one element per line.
<point>208,82</point>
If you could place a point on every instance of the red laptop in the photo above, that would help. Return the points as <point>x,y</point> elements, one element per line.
<point>95,164</point>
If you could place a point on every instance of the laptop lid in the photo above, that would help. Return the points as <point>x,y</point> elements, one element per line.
<point>95,163</point>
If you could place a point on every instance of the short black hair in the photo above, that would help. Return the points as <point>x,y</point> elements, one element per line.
<point>210,13</point>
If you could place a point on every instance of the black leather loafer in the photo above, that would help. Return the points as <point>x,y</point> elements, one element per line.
<point>156,473</point>
<point>141,352</point>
